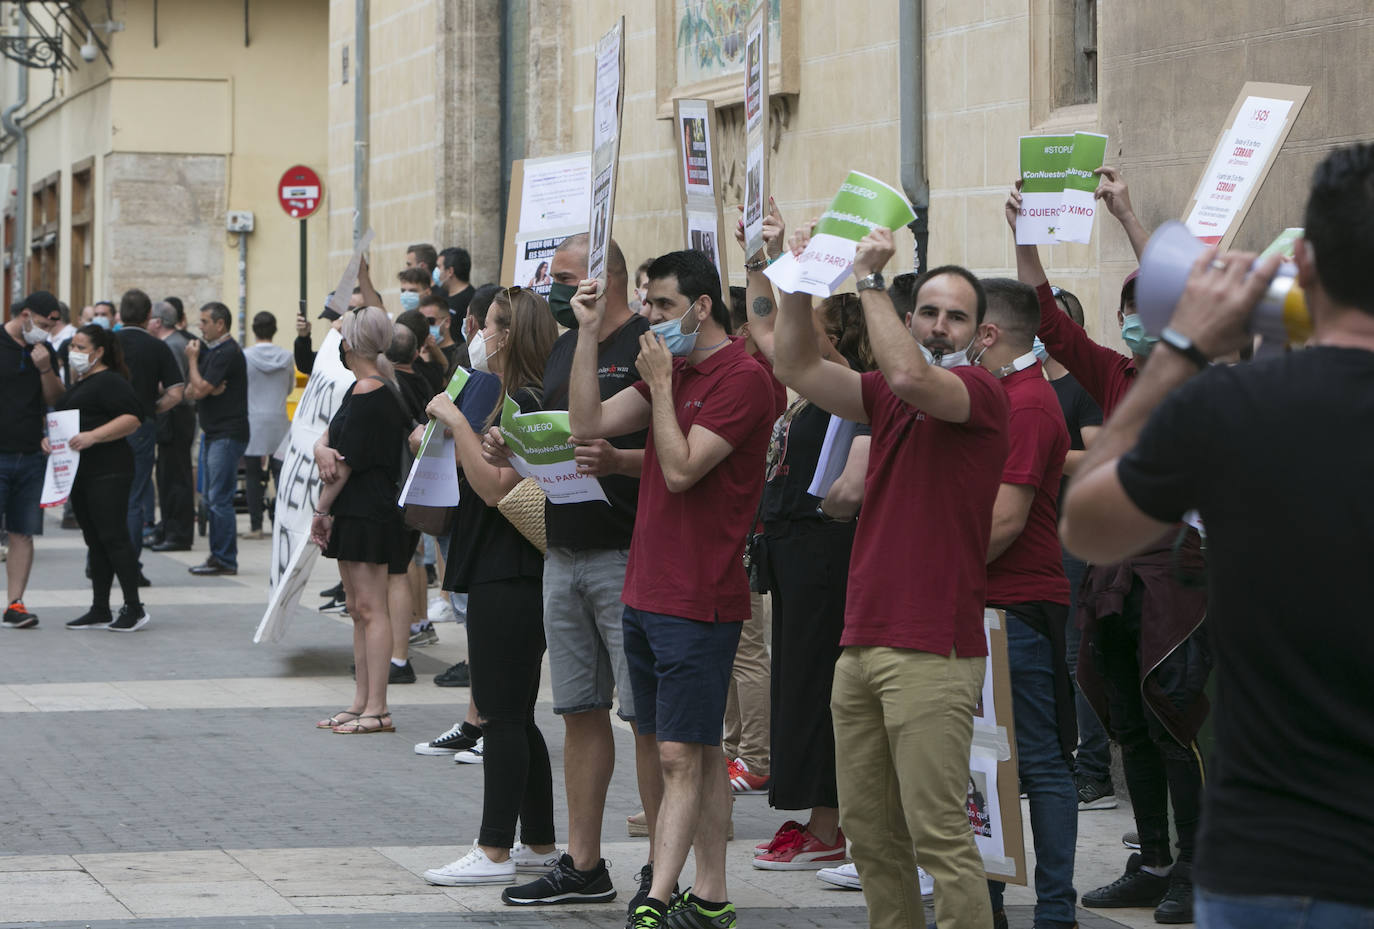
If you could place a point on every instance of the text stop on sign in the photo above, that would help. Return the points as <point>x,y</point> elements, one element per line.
<point>300,192</point>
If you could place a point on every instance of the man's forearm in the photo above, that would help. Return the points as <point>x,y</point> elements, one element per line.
<point>670,445</point>
<point>170,397</point>
<point>584,393</point>
<point>199,387</point>
<point>630,462</point>
<point>894,349</point>
<point>1029,270</point>
<point>1166,371</point>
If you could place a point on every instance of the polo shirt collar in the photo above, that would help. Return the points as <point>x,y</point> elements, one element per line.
<point>729,353</point>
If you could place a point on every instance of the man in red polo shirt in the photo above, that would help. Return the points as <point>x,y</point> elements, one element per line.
<point>709,409</point>
<point>1026,579</point>
<point>911,670</point>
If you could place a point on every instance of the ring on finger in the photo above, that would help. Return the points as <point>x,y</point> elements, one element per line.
<point>1217,265</point>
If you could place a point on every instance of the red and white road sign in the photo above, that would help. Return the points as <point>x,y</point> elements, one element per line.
<point>300,192</point>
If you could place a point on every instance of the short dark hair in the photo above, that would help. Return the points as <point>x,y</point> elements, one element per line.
<point>105,303</point>
<point>458,261</point>
<point>696,277</point>
<point>739,308</point>
<point>1014,307</point>
<point>431,298</point>
<point>264,325</point>
<point>1339,223</point>
<point>481,302</point>
<point>414,276</point>
<point>402,349</point>
<point>134,308</point>
<point>178,306</point>
<point>107,341</point>
<point>415,321</point>
<point>220,314</point>
<point>957,271</point>
<point>424,253</point>
<point>1070,304</point>
<point>902,293</point>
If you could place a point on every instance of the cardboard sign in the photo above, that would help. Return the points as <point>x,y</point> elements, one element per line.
<point>703,226</point>
<point>994,792</point>
<point>550,199</point>
<point>1250,140</point>
<point>608,103</point>
<point>756,128</point>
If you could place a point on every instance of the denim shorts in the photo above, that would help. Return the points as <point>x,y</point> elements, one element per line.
<point>21,490</point>
<point>680,670</point>
<point>584,632</point>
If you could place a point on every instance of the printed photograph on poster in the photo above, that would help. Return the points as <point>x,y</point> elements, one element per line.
<point>979,816</point>
<point>984,807</point>
<point>754,92</point>
<point>596,251</point>
<point>695,144</point>
<point>753,191</point>
<point>533,260</point>
<point>702,235</point>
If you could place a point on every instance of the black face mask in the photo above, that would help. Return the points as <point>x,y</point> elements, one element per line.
<point>560,302</point>
<point>343,357</point>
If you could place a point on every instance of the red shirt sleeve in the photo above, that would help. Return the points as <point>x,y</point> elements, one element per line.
<point>1031,438</point>
<point>1105,374</point>
<point>987,401</point>
<point>643,389</point>
<point>738,406</point>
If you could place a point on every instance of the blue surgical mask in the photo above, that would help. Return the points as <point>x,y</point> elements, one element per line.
<point>1133,332</point>
<point>1040,351</point>
<point>678,343</point>
<point>434,332</point>
<point>434,277</point>
<point>102,321</point>
<point>410,300</point>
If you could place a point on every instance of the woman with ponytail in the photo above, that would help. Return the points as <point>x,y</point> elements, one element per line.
<point>109,411</point>
<point>356,519</point>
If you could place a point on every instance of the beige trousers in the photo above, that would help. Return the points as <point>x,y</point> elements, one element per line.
<point>749,705</point>
<point>903,727</point>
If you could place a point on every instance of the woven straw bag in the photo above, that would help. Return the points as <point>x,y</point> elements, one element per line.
<point>524,507</point>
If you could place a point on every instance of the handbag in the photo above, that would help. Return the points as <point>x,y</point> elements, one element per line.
<point>431,520</point>
<point>524,507</point>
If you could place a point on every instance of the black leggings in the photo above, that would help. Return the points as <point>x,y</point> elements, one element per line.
<point>101,505</point>
<point>505,649</point>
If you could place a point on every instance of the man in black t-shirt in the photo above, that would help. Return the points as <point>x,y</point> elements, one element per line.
<point>584,573</point>
<point>1267,454</point>
<point>451,275</point>
<point>218,375</point>
<point>158,384</point>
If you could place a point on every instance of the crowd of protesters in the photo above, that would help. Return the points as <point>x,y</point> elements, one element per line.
<point>830,650</point>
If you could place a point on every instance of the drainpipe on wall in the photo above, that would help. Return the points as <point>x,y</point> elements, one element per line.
<point>362,77</point>
<point>916,186</point>
<point>9,119</point>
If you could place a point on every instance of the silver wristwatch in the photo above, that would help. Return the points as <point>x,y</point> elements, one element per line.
<point>873,281</point>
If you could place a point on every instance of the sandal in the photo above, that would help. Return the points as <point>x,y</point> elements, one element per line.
<point>335,720</point>
<point>356,727</point>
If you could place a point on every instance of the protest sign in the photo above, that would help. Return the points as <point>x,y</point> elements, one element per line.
<point>543,449</point>
<point>1254,132</point>
<point>433,479</point>
<point>1044,166</point>
<point>994,805</point>
<point>608,100</point>
<point>756,128</point>
<point>338,300</point>
<point>552,198</point>
<point>839,439</point>
<point>1283,245</point>
<point>1078,205</point>
<point>63,460</point>
<point>703,228</point>
<point>863,204</point>
<point>298,489</point>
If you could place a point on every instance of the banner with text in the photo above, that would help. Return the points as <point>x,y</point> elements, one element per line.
<point>63,460</point>
<point>608,101</point>
<point>703,230</point>
<point>543,447</point>
<point>552,197</point>
<point>1044,166</point>
<point>1078,206</point>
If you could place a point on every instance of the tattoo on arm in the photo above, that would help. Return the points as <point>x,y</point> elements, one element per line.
<point>763,306</point>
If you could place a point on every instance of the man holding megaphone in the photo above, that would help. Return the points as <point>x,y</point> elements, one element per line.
<point>1267,454</point>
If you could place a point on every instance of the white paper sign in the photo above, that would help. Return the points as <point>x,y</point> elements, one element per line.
<point>556,195</point>
<point>610,67</point>
<point>756,128</point>
<point>433,478</point>
<point>62,459</point>
<point>1236,166</point>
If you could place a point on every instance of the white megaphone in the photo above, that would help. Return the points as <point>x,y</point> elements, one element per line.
<point>1279,318</point>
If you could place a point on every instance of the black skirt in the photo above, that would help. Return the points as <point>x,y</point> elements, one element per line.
<point>372,541</point>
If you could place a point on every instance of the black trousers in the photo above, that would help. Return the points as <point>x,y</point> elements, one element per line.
<point>255,486</point>
<point>808,565</point>
<point>1158,769</point>
<point>101,505</point>
<point>176,486</point>
<point>505,650</point>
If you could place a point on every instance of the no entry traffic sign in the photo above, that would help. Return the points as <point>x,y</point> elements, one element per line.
<point>300,192</point>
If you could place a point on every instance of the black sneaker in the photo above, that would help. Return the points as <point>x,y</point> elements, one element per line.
<point>333,593</point>
<point>17,617</point>
<point>645,916</point>
<point>94,619</point>
<point>335,605</point>
<point>1136,887</point>
<point>686,912</point>
<point>1131,840</point>
<point>1177,905</point>
<point>645,879</point>
<point>401,674</point>
<point>563,884</point>
<point>460,738</point>
<point>1095,795</point>
<point>131,619</point>
<point>456,676</point>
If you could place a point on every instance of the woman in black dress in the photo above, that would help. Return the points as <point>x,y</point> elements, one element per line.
<point>356,519</point>
<point>109,411</point>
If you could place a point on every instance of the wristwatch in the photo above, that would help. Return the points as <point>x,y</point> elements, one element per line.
<point>874,281</point>
<point>1184,346</point>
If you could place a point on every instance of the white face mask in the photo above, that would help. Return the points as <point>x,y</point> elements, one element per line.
<point>80,362</point>
<point>949,359</point>
<point>477,351</point>
<point>34,335</point>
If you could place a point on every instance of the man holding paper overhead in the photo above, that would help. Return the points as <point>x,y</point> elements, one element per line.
<point>709,407</point>
<point>914,652</point>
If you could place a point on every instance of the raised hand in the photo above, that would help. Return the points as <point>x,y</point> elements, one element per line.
<point>874,252</point>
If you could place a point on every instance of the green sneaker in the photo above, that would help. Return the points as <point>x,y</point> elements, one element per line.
<point>645,917</point>
<point>686,913</point>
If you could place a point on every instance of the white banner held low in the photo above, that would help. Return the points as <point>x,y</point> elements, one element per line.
<point>63,460</point>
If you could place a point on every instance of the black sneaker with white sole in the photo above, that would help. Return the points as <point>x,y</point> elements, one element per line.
<point>18,617</point>
<point>460,738</point>
<point>645,879</point>
<point>1095,795</point>
<point>130,619</point>
<point>563,884</point>
<point>92,619</point>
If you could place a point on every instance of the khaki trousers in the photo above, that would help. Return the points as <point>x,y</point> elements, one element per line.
<point>903,727</point>
<point>748,705</point>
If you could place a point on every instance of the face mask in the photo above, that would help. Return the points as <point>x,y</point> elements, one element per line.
<point>102,321</point>
<point>678,343</point>
<point>118,326</point>
<point>80,362</point>
<point>560,302</point>
<point>410,300</point>
<point>35,336</point>
<point>1133,332</point>
<point>477,351</point>
<point>948,359</point>
<point>434,277</point>
<point>343,356</point>
<point>1038,349</point>
<point>434,333</point>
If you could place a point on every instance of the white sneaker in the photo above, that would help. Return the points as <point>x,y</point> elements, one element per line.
<point>847,876</point>
<point>439,610</point>
<point>473,868</point>
<point>472,755</point>
<point>527,859</point>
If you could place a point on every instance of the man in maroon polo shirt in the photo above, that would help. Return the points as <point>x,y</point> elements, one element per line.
<point>709,408</point>
<point>1026,579</point>
<point>911,670</point>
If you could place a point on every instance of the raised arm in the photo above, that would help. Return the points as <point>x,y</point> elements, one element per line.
<point>758,292</point>
<point>1112,191</point>
<point>589,416</point>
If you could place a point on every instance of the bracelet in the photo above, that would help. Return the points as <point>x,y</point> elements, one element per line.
<point>759,265</point>
<point>318,513</point>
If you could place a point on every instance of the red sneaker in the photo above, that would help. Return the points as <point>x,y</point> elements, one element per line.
<point>788,827</point>
<point>742,782</point>
<point>802,851</point>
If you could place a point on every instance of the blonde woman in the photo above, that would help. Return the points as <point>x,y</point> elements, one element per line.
<point>357,520</point>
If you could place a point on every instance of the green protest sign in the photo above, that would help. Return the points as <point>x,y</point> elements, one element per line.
<point>1044,166</point>
<point>1078,206</point>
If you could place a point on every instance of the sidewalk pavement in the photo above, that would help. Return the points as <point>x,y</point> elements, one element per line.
<point>176,773</point>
